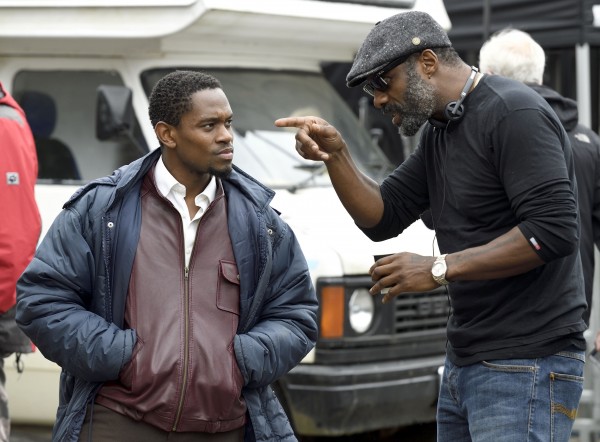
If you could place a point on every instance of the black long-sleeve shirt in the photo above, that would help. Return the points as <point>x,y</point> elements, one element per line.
<point>586,157</point>
<point>507,163</point>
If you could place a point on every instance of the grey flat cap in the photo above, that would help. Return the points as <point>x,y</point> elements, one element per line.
<point>395,37</point>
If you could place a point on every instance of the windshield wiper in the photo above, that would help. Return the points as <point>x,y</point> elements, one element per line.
<point>275,145</point>
<point>317,170</point>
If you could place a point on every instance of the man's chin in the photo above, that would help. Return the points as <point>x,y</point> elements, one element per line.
<point>408,125</point>
<point>408,130</point>
<point>222,172</point>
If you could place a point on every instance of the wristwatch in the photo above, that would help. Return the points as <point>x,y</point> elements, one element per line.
<point>438,270</point>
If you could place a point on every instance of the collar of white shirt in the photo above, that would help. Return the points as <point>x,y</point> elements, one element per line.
<point>174,191</point>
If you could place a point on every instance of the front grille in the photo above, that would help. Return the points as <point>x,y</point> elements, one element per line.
<point>411,326</point>
<point>421,311</point>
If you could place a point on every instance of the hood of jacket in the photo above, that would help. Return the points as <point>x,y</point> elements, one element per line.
<point>565,108</point>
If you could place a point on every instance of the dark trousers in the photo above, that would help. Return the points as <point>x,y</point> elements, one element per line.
<point>109,426</point>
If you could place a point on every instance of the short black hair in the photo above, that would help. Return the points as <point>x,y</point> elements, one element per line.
<point>447,56</point>
<point>171,96</point>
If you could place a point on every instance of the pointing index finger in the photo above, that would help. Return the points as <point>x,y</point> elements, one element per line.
<point>292,122</point>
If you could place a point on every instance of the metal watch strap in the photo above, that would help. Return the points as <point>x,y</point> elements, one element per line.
<point>441,279</point>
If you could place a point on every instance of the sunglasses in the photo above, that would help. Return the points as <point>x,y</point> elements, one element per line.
<point>376,82</point>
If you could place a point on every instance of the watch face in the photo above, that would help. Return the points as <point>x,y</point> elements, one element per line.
<point>438,269</point>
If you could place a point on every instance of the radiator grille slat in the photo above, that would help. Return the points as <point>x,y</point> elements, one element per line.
<point>421,311</point>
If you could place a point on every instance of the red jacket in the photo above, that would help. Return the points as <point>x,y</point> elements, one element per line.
<point>20,225</point>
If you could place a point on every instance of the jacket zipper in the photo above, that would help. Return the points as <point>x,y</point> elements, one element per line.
<point>186,317</point>
<point>186,358</point>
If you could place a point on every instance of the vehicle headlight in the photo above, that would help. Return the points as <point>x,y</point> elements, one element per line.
<point>361,310</point>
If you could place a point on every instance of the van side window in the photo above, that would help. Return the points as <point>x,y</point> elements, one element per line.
<point>60,107</point>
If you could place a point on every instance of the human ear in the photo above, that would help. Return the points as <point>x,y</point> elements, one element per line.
<point>164,133</point>
<point>428,62</point>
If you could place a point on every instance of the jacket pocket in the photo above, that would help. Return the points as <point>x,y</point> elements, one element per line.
<point>228,290</point>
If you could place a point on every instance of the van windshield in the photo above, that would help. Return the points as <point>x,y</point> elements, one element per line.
<point>258,98</point>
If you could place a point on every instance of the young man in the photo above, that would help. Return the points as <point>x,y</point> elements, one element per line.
<point>171,293</point>
<point>19,231</point>
<point>495,168</point>
<point>514,54</point>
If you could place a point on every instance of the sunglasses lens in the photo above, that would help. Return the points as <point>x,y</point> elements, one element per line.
<point>379,83</point>
<point>375,83</point>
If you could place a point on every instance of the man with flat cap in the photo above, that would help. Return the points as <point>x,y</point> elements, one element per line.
<point>494,168</point>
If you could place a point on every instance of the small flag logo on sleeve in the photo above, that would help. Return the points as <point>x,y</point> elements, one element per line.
<point>534,243</point>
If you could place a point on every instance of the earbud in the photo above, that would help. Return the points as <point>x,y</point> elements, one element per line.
<point>455,110</point>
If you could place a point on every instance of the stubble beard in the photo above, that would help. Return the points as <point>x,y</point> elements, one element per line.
<point>221,173</point>
<point>418,104</point>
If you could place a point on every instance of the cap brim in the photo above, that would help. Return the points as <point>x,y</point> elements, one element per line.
<point>361,78</point>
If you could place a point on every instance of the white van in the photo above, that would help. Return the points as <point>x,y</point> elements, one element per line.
<point>83,70</point>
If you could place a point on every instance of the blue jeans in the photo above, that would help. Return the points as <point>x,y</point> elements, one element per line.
<point>511,400</point>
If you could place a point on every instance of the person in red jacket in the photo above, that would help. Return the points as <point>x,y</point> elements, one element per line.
<point>19,231</point>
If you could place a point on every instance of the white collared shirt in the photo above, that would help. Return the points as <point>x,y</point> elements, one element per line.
<point>174,191</point>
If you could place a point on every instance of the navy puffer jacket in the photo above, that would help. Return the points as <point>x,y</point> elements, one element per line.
<point>71,298</point>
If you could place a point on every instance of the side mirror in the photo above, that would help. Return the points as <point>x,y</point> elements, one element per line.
<point>114,112</point>
<point>363,112</point>
<point>376,135</point>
